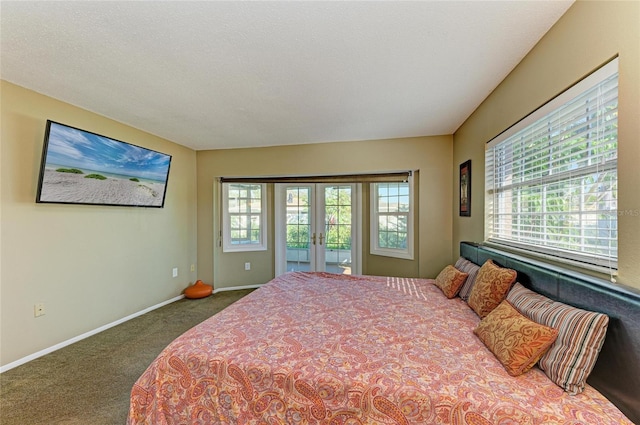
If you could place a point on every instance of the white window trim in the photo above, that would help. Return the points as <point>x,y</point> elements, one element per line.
<point>226,222</point>
<point>407,253</point>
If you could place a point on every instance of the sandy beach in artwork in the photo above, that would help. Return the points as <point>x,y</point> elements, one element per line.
<point>69,187</point>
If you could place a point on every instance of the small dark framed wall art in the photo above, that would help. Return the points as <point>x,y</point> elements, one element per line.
<point>465,189</point>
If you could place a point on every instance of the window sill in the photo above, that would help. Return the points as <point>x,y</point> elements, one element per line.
<point>391,253</point>
<point>602,272</point>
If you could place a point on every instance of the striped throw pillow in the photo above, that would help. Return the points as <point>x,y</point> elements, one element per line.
<point>471,269</point>
<point>572,356</point>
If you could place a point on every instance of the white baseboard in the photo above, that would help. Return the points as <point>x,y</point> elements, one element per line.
<point>237,288</point>
<point>84,335</point>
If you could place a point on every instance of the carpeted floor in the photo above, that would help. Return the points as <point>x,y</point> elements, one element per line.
<point>88,383</point>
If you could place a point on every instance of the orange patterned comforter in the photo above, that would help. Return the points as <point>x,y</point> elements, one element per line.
<point>317,348</point>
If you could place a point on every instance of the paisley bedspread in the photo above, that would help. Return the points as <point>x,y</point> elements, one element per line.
<point>318,348</point>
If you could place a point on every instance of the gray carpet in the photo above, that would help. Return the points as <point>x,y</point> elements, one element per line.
<point>88,383</point>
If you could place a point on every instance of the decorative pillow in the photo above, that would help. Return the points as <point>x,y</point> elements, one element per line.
<point>471,269</point>
<point>571,358</point>
<point>450,280</point>
<point>516,341</point>
<point>491,287</point>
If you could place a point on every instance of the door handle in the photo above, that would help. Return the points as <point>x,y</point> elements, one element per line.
<point>313,239</point>
<point>321,237</point>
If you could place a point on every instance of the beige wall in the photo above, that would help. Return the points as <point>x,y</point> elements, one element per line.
<point>90,265</point>
<point>430,155</point>
<point>589,34</point>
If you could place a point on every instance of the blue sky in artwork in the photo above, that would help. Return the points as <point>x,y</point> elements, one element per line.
<point>75,148</point>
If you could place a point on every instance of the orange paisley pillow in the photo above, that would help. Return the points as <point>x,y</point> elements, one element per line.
<point>450,281</point>
<point>517,342</point>
<point>491,287</point>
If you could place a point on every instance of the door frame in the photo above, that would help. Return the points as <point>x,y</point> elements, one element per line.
<point>280,236</point>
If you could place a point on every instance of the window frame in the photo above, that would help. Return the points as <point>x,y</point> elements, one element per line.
<point>558,105</point>
<point>227,245</point>
<point>374,248</point>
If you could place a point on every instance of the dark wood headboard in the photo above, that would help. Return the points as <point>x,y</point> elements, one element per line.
<point>617,372</point>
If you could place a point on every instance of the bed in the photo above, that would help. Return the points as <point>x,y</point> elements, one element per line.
<point>319,348</point>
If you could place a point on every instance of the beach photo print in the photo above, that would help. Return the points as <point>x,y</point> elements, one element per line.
<point>81,167</point>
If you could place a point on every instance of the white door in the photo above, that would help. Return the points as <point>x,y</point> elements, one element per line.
<point>317,228</point>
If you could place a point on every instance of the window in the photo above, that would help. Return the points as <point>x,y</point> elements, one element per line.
<point>244,217</point>
<point>392,220</point>
<point>551,180</point>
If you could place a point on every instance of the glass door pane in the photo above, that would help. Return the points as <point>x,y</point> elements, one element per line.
<point>299,248</point>
<point>337,226</point>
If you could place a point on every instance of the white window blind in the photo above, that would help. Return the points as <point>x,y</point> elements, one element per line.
<point>551,179</point>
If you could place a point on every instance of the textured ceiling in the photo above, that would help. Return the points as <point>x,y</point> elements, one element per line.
<point>211,75</point>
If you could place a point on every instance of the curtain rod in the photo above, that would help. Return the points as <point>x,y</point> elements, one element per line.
<point>341,178</point>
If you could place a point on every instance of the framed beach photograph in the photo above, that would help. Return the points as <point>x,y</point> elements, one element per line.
<point>81,167</point>
<point>465,189</point>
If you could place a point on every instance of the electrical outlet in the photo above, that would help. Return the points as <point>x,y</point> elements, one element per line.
<point>247,266</point>
<point>38,310</point>
<point>175,272</point>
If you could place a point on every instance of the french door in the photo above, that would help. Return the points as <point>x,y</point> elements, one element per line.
<point>317,228</point>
